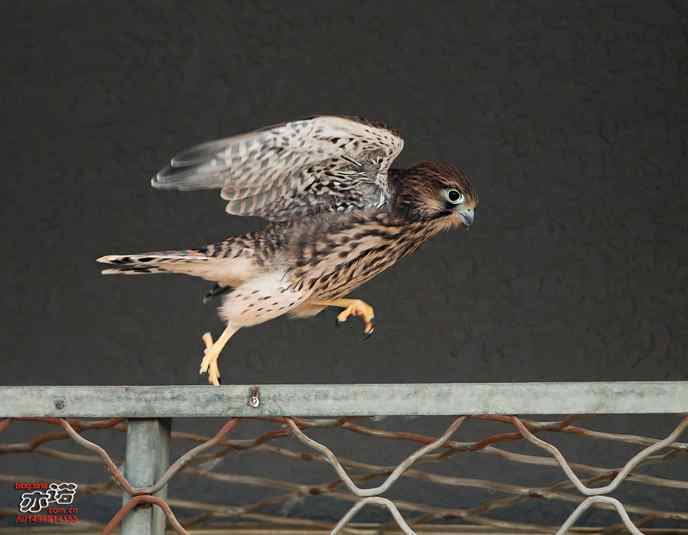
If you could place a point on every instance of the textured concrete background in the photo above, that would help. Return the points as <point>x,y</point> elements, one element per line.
<point>572,118</point>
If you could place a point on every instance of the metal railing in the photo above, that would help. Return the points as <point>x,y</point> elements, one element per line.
<point>145,414</point>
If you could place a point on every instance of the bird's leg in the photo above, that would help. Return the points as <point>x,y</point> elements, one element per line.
<point>352,307</point>
<point>212,353</point>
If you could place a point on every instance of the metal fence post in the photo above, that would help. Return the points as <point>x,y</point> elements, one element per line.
<point>147,457</point>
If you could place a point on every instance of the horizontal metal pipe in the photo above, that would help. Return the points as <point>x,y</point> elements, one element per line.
<point>626,397</point>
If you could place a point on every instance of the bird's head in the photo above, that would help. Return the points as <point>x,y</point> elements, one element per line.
<point>435,191</point>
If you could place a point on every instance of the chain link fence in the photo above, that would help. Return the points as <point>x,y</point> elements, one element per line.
<point>143,474</point>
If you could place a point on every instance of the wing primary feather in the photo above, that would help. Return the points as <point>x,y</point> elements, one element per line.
<point>291,169</point>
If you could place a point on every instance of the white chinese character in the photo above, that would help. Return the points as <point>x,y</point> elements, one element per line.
<point>34,502</point>
<point>62,493</point>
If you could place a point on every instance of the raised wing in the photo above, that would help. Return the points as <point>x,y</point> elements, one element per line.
<point>320,164</point>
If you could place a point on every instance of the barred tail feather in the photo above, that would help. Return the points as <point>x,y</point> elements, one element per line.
<point>133,271</point>
<point>190,262</point>
<point>212,262</point>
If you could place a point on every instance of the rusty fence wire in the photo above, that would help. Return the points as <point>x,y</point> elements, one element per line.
<point>583,486</point>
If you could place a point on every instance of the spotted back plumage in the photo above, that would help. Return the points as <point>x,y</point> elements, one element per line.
<point>299,168</point>
<point>332,255</point>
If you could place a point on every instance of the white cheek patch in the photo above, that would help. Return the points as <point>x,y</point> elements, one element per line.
<point>260,299</point>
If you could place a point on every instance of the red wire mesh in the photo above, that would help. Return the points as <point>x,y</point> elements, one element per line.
<point>597,483</point>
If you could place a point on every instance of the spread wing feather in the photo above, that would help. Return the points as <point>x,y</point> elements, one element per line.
<point>294,169</point>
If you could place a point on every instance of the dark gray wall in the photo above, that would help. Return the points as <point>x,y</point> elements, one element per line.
<point>571,117</point>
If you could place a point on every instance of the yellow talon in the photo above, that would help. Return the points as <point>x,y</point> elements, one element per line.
<point>352,307</point>
<point>209,363</point>
<point>359,309</point>
<point>211,354</point>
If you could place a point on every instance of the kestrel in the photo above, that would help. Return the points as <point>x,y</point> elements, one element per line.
<point>338,216</point>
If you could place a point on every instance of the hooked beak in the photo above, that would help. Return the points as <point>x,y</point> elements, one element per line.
<point>467,215</point>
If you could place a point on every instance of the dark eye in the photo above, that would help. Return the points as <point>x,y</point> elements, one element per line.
<point>454,196</point>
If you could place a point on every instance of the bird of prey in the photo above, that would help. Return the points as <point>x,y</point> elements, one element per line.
<point>338,215</point>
